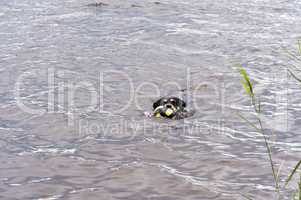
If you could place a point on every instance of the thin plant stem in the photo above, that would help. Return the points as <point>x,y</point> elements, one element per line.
<point>249,89</point>
<point>300,187</point>
<point>292,173</point>
<point>246,196</point>
<point>269,151</point>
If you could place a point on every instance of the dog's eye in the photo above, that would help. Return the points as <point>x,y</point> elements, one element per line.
<point>172,100</point>
<point>165,101</point>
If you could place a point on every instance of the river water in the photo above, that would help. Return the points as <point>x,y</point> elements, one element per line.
<point>76,80</point>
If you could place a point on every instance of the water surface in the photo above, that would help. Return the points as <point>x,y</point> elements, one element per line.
<point>56,144</point>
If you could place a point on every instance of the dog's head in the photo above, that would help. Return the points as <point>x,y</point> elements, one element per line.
<point>168,106</point>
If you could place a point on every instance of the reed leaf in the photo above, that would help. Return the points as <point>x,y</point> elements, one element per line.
<point>292,173</point>
<point>246,82</point>
<point>257,108</point>
<point>246,197</point>
<point>294,76</point>
<point>300,187</point>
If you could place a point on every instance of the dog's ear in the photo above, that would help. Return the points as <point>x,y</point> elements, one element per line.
<point>183,104</point>
<point>157,103</point>
<point>180,102</point>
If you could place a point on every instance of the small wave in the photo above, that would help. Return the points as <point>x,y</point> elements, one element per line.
<point>82,190</point>
<point>49,150</point>
<point>192,179</point>
<point>54,197</point>
<point>64,16</point>
<point>15,184</point>
<point>11,129</point>
<point>40,180</point>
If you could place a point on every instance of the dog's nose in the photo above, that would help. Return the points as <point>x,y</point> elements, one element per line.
<point>168,106</point>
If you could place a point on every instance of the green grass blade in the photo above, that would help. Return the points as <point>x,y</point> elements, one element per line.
<point>248,122</point>
<point>259,105</point>
<point>246,196</point>
<point>292,173</point>
<point>294,76</point>
<point>249,89</point>
<point>246,82</point>
<point>278,172</point>
<point>300,187</point>
<point>295,67</point>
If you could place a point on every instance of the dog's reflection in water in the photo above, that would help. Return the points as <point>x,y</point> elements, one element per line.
<point>170,107</point>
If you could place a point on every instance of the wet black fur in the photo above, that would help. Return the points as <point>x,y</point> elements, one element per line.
<point>177,103</point>
<point>167,100</point>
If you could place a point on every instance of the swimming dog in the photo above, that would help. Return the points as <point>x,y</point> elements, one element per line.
<point>170,107</point>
